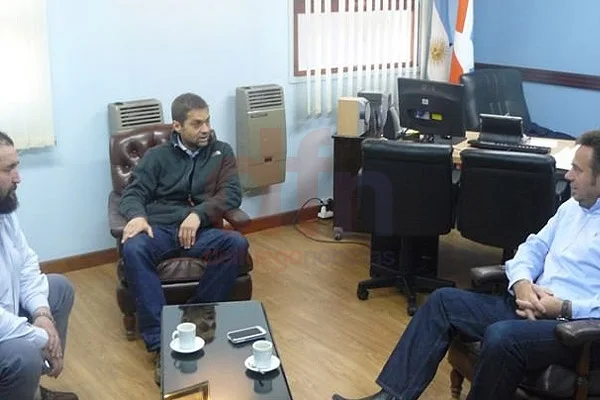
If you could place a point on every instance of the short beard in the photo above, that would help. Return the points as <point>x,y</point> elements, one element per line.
<point>9,203</point>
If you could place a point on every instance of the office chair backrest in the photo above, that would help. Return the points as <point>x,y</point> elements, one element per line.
<point>494,91</point>
<point>504,196</point>
<point>406,188</point>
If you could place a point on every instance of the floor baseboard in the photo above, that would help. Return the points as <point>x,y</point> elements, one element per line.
<point>93,259</point>
<point>285,218</point>
<point>80,261</point>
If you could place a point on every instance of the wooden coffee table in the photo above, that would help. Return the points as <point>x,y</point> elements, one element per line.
<point>218,369</point>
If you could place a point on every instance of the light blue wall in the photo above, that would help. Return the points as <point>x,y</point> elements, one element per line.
<point>546,34</point>
<point>119,50</point>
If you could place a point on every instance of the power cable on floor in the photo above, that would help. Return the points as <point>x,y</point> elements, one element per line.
<point>321,203</point>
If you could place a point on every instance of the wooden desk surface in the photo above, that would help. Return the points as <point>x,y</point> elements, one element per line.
<point>559,144</point>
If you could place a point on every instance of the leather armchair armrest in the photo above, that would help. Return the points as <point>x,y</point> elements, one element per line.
<point>579,332</point>
<point>237,218</point>
<point>493,274</point>
<point>116,221</point>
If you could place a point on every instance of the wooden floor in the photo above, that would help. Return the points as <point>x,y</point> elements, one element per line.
<point>329,341</point>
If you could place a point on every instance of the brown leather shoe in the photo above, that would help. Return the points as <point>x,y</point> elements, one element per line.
<point>377,396</point>
<point>50,395</point>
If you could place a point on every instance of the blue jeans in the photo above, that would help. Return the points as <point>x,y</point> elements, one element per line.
<point>20,360</point>
<point>224,251</point>
<point>511,346</point>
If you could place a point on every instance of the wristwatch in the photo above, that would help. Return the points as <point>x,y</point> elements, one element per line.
<point>565,311</point>
<point>43,313</point>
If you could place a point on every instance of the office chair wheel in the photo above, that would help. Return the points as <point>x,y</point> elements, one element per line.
<point>411,309</point>
<point>362,294</point>
<point>337,233</point>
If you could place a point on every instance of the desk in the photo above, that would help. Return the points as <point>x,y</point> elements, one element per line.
<point>560,145</point>
<point>347,160</point>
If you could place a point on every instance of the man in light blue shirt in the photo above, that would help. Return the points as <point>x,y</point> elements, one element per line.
<point>34,308</point>
<point>555,274</point>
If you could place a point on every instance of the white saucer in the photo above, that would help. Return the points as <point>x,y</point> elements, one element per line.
<point>197,345</point>
<point>275,363</point>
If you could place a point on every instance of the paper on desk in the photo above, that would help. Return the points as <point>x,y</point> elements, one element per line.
<point>542,142</point>
<point>564,158</point>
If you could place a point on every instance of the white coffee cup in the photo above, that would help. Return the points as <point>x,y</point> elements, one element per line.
<point>186,333</point>
<point>262,350</point>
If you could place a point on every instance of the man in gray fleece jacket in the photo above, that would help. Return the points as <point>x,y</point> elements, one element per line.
<point>179,190</point>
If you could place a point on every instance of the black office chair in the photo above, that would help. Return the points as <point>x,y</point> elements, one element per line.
<point>406,200</point>
<point>505,196</point>
<point>494,91</point>
<point>500,91</point>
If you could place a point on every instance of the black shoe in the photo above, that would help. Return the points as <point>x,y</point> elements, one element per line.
<point>52,395</point>
<point>157,370</point>
<point>377,396</point>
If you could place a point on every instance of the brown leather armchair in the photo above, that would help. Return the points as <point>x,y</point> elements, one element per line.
<point>179,276</point>
<point>556,381</point>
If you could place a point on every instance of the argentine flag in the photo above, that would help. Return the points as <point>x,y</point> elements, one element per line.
<point>450,44</point>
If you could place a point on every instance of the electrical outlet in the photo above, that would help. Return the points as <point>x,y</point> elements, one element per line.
<point>326,210</point>
<point>325,213</point>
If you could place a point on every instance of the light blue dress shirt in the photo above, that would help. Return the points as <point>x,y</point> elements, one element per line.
<point>564,256</point>
<point>21,284</point>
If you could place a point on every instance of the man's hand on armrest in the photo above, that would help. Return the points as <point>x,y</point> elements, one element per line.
<point>135,226</point>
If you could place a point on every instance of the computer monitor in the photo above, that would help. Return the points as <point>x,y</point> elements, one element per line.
<point>433,108</point>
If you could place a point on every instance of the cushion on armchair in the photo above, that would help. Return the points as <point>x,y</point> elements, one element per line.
<point>183,269</point>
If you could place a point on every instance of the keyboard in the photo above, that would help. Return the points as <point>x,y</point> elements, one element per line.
<point>520,147</point>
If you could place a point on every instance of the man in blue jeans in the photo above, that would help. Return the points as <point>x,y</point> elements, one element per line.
<point>179,189</point>
<point>554,275</point>
<point>34,307</point>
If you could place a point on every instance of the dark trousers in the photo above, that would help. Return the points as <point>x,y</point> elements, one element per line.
<point>511,345</point>
<point>224,251</point>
